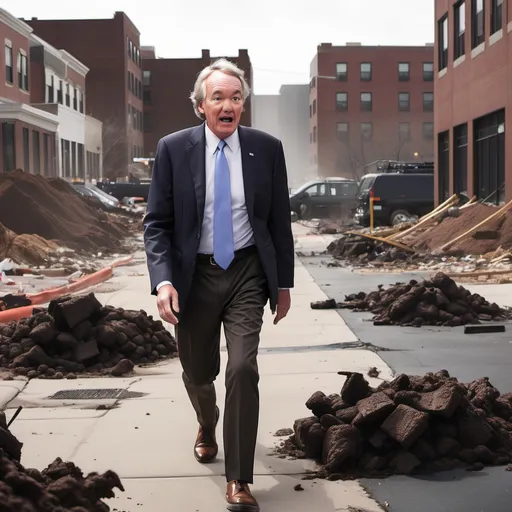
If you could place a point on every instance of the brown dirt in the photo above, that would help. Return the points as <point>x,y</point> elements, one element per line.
<point>60,487</point>
<point>52,209</point>
<point>77,334</point>
<point>438,301</point>
<point>436,236</point>
<point>414,423</point>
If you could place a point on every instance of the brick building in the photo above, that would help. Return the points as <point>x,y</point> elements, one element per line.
<point>473,101</point>
<point>167,87</point>
<point>27,134</point>
<point>110,49</point>
<point>369,103</point>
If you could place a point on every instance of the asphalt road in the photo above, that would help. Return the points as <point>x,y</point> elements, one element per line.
<point>418,351</point>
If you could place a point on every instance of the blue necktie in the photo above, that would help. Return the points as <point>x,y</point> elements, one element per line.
<point>223,245</point>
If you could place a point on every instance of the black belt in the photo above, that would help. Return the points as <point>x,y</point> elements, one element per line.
<point>241,253</point>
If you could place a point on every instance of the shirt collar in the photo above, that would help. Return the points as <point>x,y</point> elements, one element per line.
<point>212,141</point>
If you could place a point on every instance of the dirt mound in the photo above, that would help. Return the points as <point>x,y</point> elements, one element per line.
<point>30,204</point>
<point>413,423</point>
<point>61,487</point>
<point>31,249</point>
<point>439,301</point>
<point>487,238</point>
<point>77,334</point>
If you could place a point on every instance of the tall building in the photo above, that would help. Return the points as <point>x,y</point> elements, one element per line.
<point>27,134</point>
<point>285,116</point>
<point>167,87</point>
<point>294,123</point>
<point>370,103</point>
<point>110,49</point>
<point>473,102</point>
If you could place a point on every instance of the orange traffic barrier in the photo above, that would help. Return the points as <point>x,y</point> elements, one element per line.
<point>82,283</point>
<point>15,314</point>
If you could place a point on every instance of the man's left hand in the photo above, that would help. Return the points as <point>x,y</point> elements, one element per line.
<point>283,305</point>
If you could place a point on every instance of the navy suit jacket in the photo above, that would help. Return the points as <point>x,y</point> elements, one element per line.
<point>172,225</point>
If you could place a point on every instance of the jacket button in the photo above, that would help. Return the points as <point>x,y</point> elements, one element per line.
<point>198,235</point>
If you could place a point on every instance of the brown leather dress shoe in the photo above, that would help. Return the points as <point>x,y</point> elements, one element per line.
<point>239,498</point>
<point>206,448</point>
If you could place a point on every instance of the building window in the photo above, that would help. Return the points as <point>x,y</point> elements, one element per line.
<point>147,99</point>
<point>8,147</point>
<point>477,23</point>
<point>460,29</point>
<point>366,71</point>
<point>73,158</point>
<point>342,101</point>
<point>9,71</point>
<point>428,102</point>
<point>50,90</point>
<point>314,133</point>
<point>341,72</point>
<point>404,101</point>
<point>26,150</point>
<point>22,72</point>
<point>366,101</point>
<point>428,131</point>
<point>59,93</point>
<point>36,152</point>
<point>148,122</point>
<point>80,162</point>
<point>404,131</point>
<point>68,97</point>
<point>342,131</point>
<point>314,107</point>
<point>75,98</point>
<point>443,42</point>
<point>146,77</point>
<point>428,71</point>
<point>366,131</point>
<point>496,15</point>
<point>404,71</point>
<point>81,101</point>
<point>46,154</point>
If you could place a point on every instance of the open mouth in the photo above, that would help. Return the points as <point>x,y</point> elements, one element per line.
<point>226,119</point>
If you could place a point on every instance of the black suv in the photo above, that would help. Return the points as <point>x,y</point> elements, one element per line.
<point>325,197</point>
<point>397,197</point>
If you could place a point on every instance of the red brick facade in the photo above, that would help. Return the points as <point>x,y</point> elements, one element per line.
<point>168,109</point>
<point>114,82</point>
<point>348,132</point>
<point>473,98</point>
<point>27,136</point>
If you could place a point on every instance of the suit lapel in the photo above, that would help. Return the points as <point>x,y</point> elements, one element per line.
<point>248,169</point>
<point>196,158</point>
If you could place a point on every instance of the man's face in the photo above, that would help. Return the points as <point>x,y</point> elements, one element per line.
<point>223,103</point>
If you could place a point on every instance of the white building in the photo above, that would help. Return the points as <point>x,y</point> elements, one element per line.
<point>78,151</point>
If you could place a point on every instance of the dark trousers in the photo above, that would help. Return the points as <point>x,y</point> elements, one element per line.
<point>234,298</point>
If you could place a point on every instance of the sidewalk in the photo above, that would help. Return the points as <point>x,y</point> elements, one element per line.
<point>148,438</point>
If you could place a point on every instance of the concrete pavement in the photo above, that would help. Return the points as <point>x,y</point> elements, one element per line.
<point>148,437</point>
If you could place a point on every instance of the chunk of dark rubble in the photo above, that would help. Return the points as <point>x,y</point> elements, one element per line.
<point>324,304</point>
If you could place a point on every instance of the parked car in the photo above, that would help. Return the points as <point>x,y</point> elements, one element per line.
<point>89,190</point>
<point>119,190</point>
<point>398,197</point>
<point>325,197</point>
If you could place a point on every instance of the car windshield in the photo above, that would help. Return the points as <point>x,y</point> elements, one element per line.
<point>304,187</point>
<point>366,184</point>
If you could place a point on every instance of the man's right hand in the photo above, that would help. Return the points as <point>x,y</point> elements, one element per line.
<point>167,297</point>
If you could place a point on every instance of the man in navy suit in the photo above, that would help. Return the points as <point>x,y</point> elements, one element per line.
<point>219,245</point>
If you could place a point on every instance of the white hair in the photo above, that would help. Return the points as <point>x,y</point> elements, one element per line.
<point>225,66</point>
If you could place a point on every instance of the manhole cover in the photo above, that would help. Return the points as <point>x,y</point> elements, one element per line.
<point>94,394</point>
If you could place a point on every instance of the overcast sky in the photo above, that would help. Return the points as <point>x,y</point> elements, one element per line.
<point>281,35</point>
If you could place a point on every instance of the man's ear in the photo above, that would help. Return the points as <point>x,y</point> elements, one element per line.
<point>200,108</point>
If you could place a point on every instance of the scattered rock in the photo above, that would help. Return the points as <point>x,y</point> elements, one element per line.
<point>428,423</point>
<point>77,334</point>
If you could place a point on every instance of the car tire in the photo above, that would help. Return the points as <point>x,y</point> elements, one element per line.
<point>400,216</point>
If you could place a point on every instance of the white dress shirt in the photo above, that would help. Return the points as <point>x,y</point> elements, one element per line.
<point>242,230</point>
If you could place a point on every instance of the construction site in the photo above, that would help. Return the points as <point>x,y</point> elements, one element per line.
<point>84,357</point>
